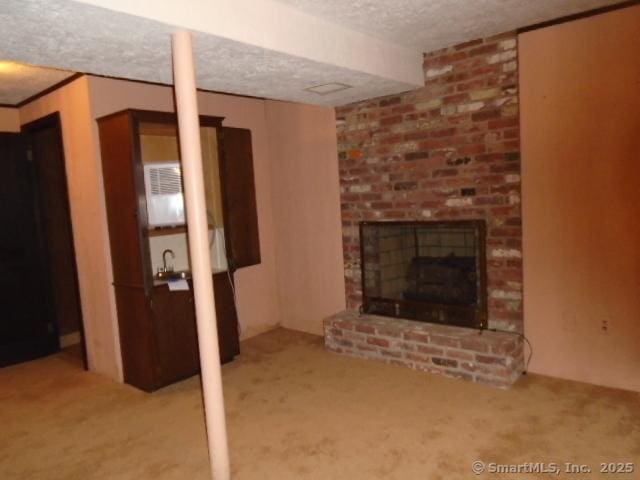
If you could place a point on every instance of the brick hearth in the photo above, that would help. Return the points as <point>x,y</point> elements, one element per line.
<point>493,358</point>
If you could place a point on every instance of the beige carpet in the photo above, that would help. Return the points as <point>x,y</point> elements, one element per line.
<point>298,412</point>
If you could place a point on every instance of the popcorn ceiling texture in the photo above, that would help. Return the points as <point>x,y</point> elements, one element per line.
<point>20,82</point>
<point>447,151</point>
<point>85,38</point>
<point>435,24</point>
<point>89,39</point>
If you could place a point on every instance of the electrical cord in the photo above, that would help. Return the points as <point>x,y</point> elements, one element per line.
<point>224,248</point>
<point>519,334</point>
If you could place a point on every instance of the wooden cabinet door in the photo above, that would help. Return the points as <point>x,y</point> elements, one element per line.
<point>124,189</point>
<point>135,323</point>
<point>227,317</point>
<point>175,334</point>
<point>239,197</point>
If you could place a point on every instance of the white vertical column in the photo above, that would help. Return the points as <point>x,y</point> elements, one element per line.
<point>190,150</point>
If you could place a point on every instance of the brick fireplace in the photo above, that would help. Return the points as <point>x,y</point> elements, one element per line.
<point>428,271</point>
<point>448,151</point>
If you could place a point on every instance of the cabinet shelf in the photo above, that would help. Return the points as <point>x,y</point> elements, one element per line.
<point>161,231</point>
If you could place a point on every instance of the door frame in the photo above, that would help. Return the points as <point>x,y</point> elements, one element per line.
<point>54,121</point>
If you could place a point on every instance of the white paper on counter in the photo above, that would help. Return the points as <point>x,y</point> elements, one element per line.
<point>176,285</point>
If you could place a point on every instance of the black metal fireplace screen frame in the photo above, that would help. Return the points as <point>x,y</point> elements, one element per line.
<point>473,316</point>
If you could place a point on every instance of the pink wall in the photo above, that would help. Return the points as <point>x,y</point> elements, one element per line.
<point>306,206</point>
<point>580,128</point>
<point>84,177</point>
<point>9,119</point>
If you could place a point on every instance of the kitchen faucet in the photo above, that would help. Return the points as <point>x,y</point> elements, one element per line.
<point>164,260</point>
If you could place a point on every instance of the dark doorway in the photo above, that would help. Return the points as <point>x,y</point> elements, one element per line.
<point>39,289</point>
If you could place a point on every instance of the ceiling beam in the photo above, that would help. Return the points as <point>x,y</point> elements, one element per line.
<point>271,25</point>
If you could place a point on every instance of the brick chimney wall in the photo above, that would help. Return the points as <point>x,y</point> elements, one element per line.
<point>447,151</point>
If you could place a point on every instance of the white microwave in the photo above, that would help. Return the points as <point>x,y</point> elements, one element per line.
<point>165,199</point>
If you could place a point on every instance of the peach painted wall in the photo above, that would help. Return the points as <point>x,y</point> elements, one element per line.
<point>306,206</point>
<point>84,177</point>
<point>9,119</point>
<point>580,95</point>
<point>256,286</point>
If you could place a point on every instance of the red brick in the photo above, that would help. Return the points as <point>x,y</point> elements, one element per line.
<point>417,358</point>
<point>344,325</point>
<point>416,337</point>
<point>503,123</point>
<point>456,98</point>
<point>388,332</point>
<point>459,355</point>
<point>335,331</point>
<point>365,348</point>
<point>428,349</point>
<point>391,120</point>
<point>445,341</point>
<point>490,360</point>
<point>365,329</point>
<point>444,362</point>
<point>381,342</point>
<point>484,49</point>
<point>485,115</point>
<point>390,353</point>
<point>390,101</point>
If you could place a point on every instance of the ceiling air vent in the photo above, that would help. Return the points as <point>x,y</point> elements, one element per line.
<point>328,88</point>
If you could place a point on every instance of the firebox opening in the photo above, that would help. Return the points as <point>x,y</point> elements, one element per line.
<point>429,271</point>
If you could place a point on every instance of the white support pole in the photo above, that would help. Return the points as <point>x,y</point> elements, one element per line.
<point>200,256</point>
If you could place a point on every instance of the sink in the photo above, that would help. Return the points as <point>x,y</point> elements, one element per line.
<point>171,275</point>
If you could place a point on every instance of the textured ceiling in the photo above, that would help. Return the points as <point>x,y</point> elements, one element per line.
<point>258,46</point>
<point>19,82</point>
<point>89,39</point>
<point>433,24</point>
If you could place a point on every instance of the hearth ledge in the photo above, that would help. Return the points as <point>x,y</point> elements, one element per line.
<point>491,358</point>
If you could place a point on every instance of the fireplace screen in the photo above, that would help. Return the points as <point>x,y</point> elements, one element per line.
<point>429,271</point>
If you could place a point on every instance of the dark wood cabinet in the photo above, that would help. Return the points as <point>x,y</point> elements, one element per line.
<point>158,334</point>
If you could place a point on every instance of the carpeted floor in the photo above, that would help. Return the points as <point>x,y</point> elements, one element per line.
<point>297,412</point>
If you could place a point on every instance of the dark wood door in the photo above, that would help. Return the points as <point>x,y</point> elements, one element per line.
<point>27,324</point>
<point>239,198</point>
<point>44,140</point>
